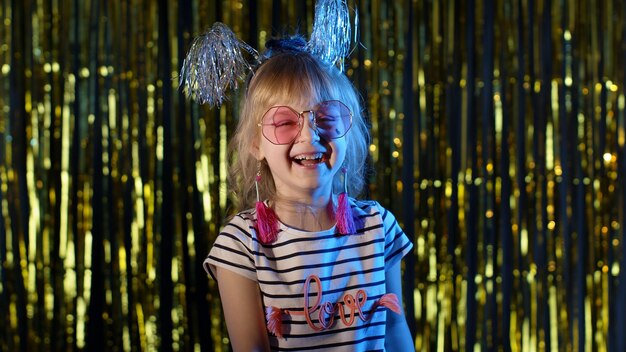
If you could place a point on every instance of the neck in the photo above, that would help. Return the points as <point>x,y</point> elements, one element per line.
<point>312,213</point>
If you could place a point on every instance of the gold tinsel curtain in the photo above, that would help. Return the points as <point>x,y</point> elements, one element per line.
<point>498,139</point>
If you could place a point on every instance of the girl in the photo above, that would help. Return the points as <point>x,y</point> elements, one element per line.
<point>306,267</point>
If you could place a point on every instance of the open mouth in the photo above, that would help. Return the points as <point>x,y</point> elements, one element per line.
<point>310,159</point>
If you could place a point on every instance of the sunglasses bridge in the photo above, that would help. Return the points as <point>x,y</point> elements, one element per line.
<point>312,118</point>
<point>321,131</point>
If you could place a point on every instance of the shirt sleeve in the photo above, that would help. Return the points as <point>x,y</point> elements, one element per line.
<point>397,243</point>
<point>232,249</point>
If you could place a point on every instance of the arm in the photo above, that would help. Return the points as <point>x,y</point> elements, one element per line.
<point>398,336</point>
<point>243,310</point>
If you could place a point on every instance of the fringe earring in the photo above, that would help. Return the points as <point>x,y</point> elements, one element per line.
<point>345,222</point>
<point>266,218</point>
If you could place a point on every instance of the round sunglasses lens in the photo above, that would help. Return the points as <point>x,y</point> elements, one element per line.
<point>333,119</point>
<point>280,125</point>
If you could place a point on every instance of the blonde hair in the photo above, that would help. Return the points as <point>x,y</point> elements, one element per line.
<point>284,77</point>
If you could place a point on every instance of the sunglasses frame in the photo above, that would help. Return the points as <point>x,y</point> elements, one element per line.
<point>301,120</point>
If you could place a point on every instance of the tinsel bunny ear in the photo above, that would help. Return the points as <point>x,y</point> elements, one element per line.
<point>214,64</point>
<point>330,39</point>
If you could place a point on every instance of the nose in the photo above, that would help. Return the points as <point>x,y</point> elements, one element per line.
<point>308,132</point>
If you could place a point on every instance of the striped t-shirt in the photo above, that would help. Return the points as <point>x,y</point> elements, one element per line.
<point>304,273</point>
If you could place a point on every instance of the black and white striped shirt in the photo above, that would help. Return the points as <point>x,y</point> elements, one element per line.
<point>347,271</point>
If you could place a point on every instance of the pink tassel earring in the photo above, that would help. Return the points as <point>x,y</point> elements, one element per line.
<point>345,223</point>
<point>266,218</point>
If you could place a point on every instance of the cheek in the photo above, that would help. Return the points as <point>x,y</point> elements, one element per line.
<point>273,153</point>
<point>340,151</point>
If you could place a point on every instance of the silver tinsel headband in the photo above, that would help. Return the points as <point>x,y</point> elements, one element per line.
<point>216,63</point>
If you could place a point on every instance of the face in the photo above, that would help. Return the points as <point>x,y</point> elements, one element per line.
<point>303,166</point>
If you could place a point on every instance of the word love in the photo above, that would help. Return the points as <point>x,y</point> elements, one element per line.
<point>348,309</point>
<point>326,311</point>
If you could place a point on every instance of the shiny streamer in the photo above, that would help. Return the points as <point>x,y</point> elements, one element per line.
<point>215,64</point>
<point>331,35</point>
<point>498,138</point>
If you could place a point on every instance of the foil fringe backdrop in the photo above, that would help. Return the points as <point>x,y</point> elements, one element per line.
<point>499,125</point>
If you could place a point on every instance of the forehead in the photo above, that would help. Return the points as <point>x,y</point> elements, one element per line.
<point>297,102</point>
<point>294,85</point>
<point>303,95</point>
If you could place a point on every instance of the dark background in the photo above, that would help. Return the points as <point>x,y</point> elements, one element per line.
<point>498,140</point>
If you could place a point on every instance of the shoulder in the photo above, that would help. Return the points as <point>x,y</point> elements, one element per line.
<point>369,208</point>
<point>235,246</point>
<point>367,215</point>
<point>364,206</point>
<point>241,225</point>
<point>245,216</point>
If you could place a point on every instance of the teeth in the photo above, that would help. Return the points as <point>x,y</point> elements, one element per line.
<point>309,156</point>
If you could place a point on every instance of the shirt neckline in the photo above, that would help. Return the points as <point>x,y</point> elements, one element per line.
<point>302,233</point>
